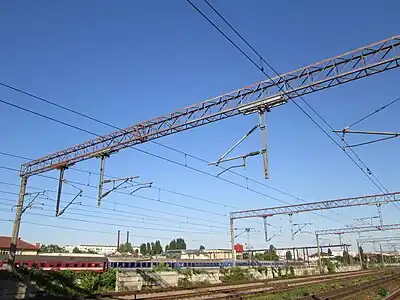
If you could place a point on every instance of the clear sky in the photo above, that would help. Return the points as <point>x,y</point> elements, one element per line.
<point>128,61</point>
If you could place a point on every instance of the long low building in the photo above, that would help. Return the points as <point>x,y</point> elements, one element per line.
<point>200,254</point>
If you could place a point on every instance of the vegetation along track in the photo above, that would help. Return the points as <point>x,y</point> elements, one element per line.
<point>238,291</point>
<point>350,292</point>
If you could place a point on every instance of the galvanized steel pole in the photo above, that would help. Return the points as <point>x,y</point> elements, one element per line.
<point>17,223</point>
<point>233,242</point>
<point>319,254</point>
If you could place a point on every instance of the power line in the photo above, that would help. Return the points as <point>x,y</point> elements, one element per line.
<point>234,183</point>
<point>95,231</point>
<point>118,128</point>
<point>113,202</point>
<point>111,218</point>
<point>374,112</point>
<point>119,215</point>
<point>113,224</point>
<point>367,172</point>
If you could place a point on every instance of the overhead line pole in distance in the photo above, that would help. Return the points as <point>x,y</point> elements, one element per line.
<point>265,213</point>
<point>353,230</point>
<point>260,97</point>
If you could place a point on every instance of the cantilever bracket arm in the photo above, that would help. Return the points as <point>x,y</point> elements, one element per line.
<point>72,201</point>
<point>121,181</point>
<point>141,186</point>
<point>221,159</point>
<point>30,204</point>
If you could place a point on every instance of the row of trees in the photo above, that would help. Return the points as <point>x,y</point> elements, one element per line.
<point>154,248</point>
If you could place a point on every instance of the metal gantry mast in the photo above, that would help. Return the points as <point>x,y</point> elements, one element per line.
<point>260,97</point>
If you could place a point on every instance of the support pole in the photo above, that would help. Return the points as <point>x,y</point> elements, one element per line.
<point>233,242</point>
<point>380,214</point>
<point>319,255</point>
<point>359,255</point>
<point>264,141</point>
<point>118,239</point>
<point>265,229</point>
<point>127,237</point>
<point>291,225</point>
<point>380,248</point>
<point>60,184</point>
<point>17,223</point>
<point>101,180</point>
<point>308,257</point>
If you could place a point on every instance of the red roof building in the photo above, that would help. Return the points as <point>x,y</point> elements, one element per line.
<point>23,248</point>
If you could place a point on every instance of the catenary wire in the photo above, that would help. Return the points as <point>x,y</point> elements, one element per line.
<point>154,142</point>
<point>113,224</point>
<point>141,220</point>
<point>117,203</point>
<point>86,230</point>
<point>367,172</point>
<point>111,218</point>
<point>374,112</point>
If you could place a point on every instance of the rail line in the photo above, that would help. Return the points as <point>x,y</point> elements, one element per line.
<point>237,291</point>
<point>351,291</point>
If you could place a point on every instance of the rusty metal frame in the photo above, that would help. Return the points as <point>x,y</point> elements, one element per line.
<point>356,64</point>
<point>357,229</point>
<point>320,205</point>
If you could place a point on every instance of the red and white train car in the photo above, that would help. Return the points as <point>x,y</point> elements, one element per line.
<point>95,263</point>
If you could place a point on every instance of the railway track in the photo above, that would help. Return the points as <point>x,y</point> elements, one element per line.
<point>238,291</point>
<point>351,291</point>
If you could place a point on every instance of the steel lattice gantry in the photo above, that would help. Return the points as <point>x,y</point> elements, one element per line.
<point>359,63</point>
<point>359,229</point>
<point>260,97</point>
<point>320,205</point>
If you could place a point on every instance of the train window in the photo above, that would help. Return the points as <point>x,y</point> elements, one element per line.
<point>75,265</point>
<point>126,265</point>
<point>51,265</point>
<point>42,265</point>
<point>97,265</point>
<point>83,265</point>
<point>34,265</point>
<point>120,265</point>
<point>67,265</point>
<point>58,265</point>
<point>148,264</point>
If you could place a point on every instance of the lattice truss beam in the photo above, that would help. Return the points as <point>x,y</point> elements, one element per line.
<point>362,62</point>
<point>357,229</point>
<point>378,240</point>
<point>321,205</point>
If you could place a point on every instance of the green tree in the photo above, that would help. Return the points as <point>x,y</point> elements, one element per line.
<point>180,244</point>
<point>172,245</point>
<point>153,251</point>
<point>157,247</point>
<point>148,248</point>
<point>76,250</point>
<point>202,248</point>
<point>166,248</point>
<point>125,248</point>
<point>90,251</point>
<point>329,252</point>
<point>288,255</point>
<point>143,249</point>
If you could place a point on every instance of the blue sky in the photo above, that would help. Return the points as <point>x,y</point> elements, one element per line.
<point>131,61</point>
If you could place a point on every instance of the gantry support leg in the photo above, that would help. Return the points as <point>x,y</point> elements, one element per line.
<point>101,180</point>
<point>319,255</point>
<point>17,223</point>
<point>359,254</point>
<point>59,191</point>
<point>232,229</point>
<point>264,141</point>
<point>380,214</point>
<point>265,229</point>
